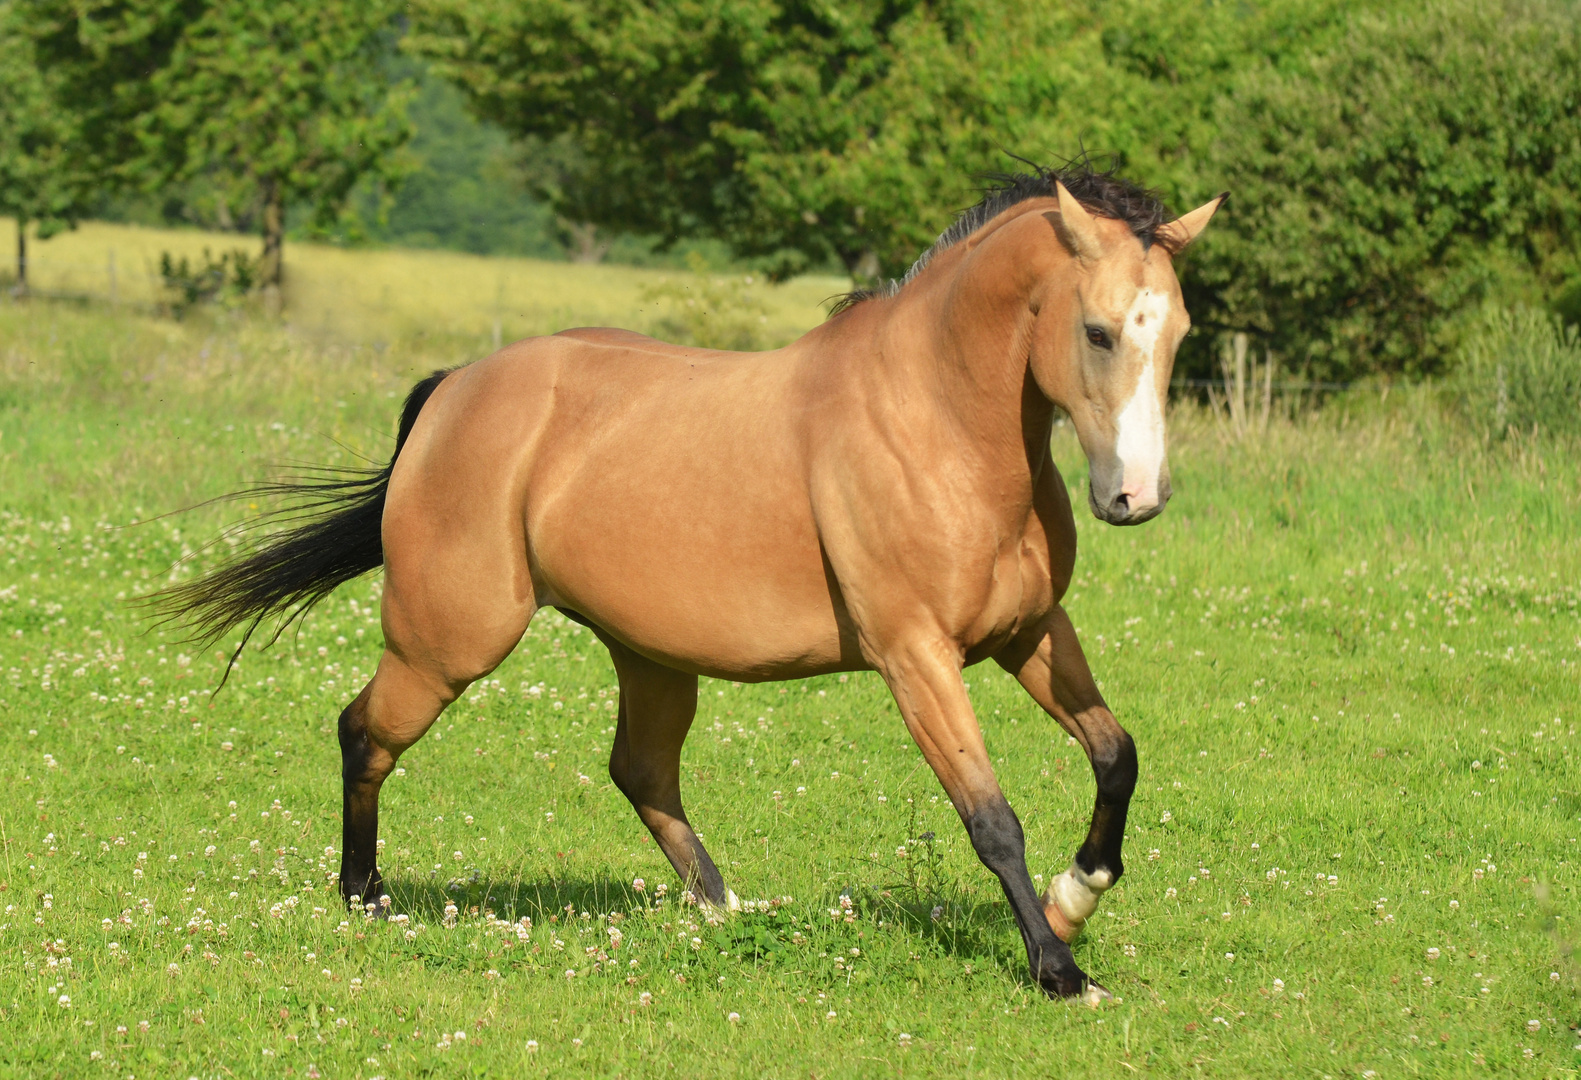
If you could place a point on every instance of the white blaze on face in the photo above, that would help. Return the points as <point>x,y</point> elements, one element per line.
<point>1139,425</point>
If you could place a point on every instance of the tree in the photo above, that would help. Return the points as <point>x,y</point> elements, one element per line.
<point>277,103</point>
<point>42,178</point>
<point>796,131</point>
<point>1388,184</point>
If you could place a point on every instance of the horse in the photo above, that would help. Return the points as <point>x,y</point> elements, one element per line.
<point>877,495</point>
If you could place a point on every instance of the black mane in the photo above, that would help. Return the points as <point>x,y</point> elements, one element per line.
<point>1101,192</point>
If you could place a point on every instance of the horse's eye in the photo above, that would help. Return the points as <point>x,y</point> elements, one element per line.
<point>1097,337</point>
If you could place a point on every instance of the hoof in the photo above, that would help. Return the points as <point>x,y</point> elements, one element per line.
<point>1065,982</point>
<point>376,904</point>
<point>1063,928</point>
<point>730,905</point>
<point>1095,995</point>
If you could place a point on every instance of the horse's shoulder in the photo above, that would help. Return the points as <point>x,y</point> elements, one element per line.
<point>1052,524</point>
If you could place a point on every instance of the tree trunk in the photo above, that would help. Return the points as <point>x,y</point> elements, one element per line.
<point>21,257</point>
<point>862,266</point>
<point>586,246</point>
<point>271,268</point>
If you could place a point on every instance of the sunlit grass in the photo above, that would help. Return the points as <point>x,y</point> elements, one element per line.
<point>1349,653</point>
<point>380,297</point>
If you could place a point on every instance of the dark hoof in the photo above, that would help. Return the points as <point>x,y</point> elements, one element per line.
<point>374,902</point>
<point>1071,982</point>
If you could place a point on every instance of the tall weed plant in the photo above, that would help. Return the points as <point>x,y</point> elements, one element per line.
<point>1520,371</point>
<point>710,311</point>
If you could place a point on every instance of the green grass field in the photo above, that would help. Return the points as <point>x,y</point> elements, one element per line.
<point>436,300</point>
<point>1350,654</point>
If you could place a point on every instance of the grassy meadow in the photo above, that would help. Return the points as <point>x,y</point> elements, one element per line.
<point>1350,653</point>
<point>439,299</point>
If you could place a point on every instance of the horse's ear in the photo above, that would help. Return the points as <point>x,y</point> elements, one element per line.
<point>1074,226</point>
<point>1174,236</point>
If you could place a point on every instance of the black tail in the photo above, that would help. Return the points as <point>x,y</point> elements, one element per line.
<point>332,535</point>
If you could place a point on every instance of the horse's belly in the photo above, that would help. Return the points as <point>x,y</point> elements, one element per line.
<point>736,606</point>
<point>692,543</point>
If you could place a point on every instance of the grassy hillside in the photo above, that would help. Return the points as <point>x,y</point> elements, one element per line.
<point>379,297</point>
<point>1349,653</point>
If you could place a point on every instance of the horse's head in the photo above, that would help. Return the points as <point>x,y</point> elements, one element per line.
<point>1104,350</point>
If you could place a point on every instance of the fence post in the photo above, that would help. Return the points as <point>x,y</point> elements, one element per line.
<point>1240,383</point>
<point>1268,389</point>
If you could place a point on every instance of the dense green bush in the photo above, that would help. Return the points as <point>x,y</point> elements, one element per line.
<point>1519,370</point>
<point>1420,165</point>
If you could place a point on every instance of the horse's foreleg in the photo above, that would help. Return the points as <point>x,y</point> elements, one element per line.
<point>1050,665</point>
<point>925,678</point>
<point>657,705</point>
<point>392,712</point>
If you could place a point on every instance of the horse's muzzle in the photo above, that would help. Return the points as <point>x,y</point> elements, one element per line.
<point>1120,509</point>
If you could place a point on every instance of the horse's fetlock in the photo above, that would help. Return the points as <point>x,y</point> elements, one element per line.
<point>1072,897</point>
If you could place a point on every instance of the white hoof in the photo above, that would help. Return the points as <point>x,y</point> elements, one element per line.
<point>731,904</point>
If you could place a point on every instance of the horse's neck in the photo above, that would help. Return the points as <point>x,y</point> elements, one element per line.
<point>969,325</point>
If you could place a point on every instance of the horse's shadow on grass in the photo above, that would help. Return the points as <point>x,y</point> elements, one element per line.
<point>955,927</point>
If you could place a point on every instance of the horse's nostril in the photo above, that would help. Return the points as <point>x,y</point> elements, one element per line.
<point>1122,504</point>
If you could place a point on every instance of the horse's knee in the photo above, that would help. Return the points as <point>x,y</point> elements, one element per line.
<point>996,836</point>
<point>1114,764</point>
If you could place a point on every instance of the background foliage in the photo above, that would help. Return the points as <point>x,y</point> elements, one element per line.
<point>42,180</point>
<point>272,104</point>
<point>1417,165</point>
<point>1393,167</point>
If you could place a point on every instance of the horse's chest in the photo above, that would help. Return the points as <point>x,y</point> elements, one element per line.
<point>1019,593</point>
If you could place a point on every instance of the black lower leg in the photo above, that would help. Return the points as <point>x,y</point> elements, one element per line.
<point>360,783</point>
<point>1114,767</point>
<point>999,842</point>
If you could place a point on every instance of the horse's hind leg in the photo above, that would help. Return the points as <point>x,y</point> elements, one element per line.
<point>657,705</point>
<point>393,711</point>
<point>445,626</point>
<point>1050,665</point>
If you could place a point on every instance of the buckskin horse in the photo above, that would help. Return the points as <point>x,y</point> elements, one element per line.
<point>877,495</point>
